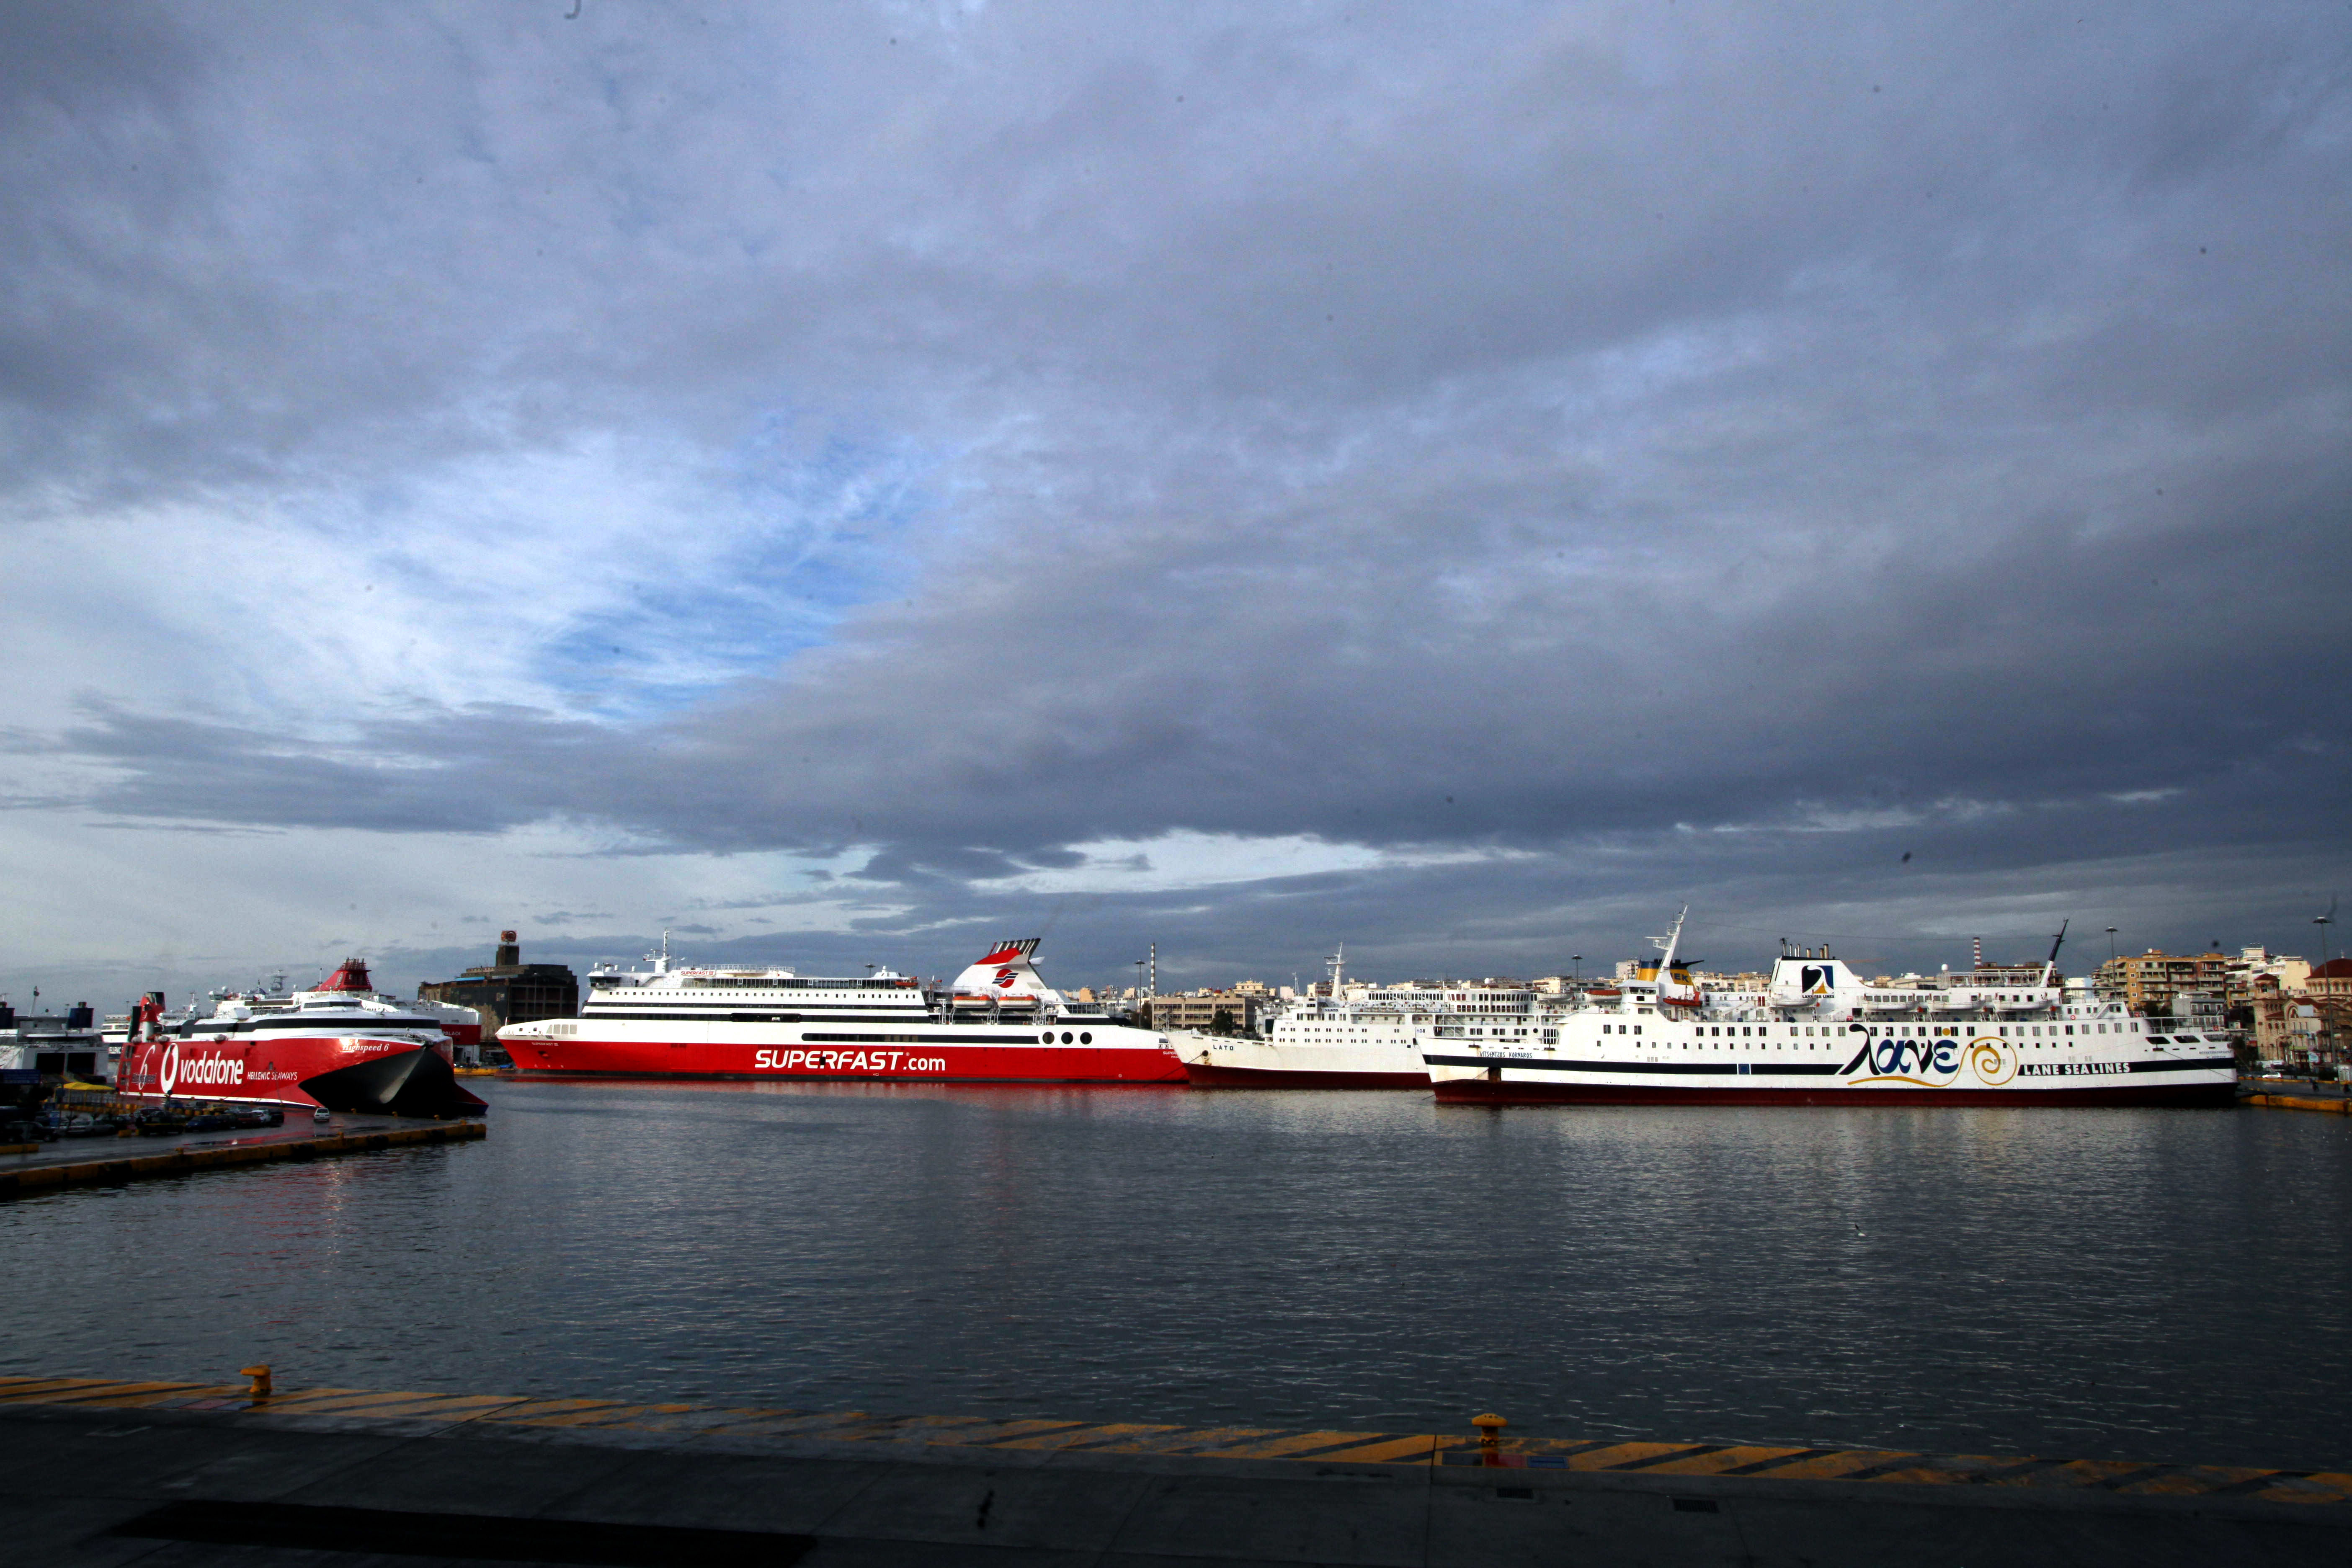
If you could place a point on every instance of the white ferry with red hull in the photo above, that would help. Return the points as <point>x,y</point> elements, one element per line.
<point>1818,1036</point>
<point>339,1047</point>
<point>998,1023</point>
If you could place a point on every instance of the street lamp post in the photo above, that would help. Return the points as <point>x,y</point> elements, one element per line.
<point>2325,1039</point>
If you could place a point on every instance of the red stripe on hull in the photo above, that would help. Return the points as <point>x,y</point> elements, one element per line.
<point>891,1063</point>
<point>1481,1091</point>
<point>1204,1076</point>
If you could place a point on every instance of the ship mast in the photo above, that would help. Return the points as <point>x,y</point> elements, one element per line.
<point>1668,943</point>
<point>2056,943</point>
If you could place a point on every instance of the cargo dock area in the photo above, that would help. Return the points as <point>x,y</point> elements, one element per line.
<point>102,1471</point>
<point>28,1169</point>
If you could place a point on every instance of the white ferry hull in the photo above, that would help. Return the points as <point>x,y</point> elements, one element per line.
<point>1987,1071</point>
<point>1212,1061</point>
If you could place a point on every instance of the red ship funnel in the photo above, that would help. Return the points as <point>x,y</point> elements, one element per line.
<point>351,976</point>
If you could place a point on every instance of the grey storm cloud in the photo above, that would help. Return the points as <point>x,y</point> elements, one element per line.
<point>1649,451</point>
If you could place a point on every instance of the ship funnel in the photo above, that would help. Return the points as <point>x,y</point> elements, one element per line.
<point>1007,973</point>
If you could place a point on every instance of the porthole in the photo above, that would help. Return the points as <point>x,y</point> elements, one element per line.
<point>1066,1037</point>
<point>1047,1038</point>
<point>1086,1039</point>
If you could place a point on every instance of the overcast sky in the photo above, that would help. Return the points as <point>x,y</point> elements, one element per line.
<point>850,482</point>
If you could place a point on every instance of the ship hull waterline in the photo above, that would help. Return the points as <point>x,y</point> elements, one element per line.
<point>921,1061</point>
<point>1487,1091</point>
<point>1202,1074</point>
<point>303,1073</point>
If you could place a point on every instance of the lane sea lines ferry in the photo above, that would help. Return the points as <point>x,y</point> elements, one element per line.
<point>998,1022</point>
<point>1817,1036</point>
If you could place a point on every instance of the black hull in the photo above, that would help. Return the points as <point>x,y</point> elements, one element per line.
<point>412,1083</point>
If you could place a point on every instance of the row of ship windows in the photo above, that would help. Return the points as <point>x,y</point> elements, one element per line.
<point>1743,1031</point>
<point>763,982</point>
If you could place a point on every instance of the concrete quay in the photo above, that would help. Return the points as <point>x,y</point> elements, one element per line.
<point>98,1162</point>
<point>184,1476</point>
<point>2297,1094</point>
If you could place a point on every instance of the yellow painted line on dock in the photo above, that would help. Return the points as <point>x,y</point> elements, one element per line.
<point>1827,1466</point>
<point>15,1388</point>
<point>450,1407</point>
<point>1388,1451</point>
<point>1299,1444</point>
<point>1716,1460</point>
<point>582,1414</point>
<point>2340,1106</point>
<point>1618,1456</point>
<point>95,1391</point>
<point>1022,1434</point>
<point>1712,1464</point>
<point>556,1412</point>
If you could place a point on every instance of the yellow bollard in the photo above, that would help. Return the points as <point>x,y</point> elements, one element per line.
<point>261,1376</point>
<point>1490,1437</point>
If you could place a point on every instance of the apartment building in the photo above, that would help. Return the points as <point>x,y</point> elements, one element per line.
<point>1199,1010</point>
<point>2148,982</point>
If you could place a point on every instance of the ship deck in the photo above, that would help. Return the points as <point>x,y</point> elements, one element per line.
<point>28,1169</point>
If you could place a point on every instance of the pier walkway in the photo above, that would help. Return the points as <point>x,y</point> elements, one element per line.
<point>186,1476</point>
<point>87,1162</point>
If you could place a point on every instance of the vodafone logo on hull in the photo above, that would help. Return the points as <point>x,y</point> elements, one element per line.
<point>208,1070</point>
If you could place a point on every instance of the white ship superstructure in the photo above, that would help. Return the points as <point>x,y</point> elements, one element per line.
<point>1368,1039</point>
<point>1819,1035</point>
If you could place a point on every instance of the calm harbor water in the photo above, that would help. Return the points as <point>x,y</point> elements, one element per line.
<point>2159,1285</point>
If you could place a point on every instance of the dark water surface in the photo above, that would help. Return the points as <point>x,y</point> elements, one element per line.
<point>2159,1285</point>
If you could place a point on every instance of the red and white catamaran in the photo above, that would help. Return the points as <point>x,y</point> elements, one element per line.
<point>339,1046</point>
<point>1000,1022</point>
